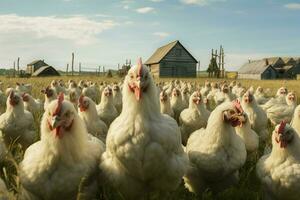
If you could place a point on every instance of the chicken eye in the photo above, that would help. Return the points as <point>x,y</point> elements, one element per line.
<point>131,76</point>
<point>67,114</point>
<point>231,112</point>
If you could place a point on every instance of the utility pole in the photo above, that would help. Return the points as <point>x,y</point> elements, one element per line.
<point>67,70</point>
<point>79,69</point>
<point>103,71</point>
<point>14,71</point>
<point>18,66</point>
<point>72,64</point>
<point>99,70</point>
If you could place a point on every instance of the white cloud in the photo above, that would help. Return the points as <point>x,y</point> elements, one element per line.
<point>79,29</point>
<point>292,6</point>
<point>145,10</point>
<point>200,2</point>
<point>161,34</point>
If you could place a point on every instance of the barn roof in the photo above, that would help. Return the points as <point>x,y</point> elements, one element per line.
<point>254,67</point>
<point>36,61</point>
<point>161,52</point>
<point>44,69</point>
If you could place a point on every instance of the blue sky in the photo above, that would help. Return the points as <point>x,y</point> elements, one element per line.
<point>106,32</point>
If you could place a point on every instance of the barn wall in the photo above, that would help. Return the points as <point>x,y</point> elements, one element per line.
<point>155,70</point>
<point>269,73</point>
<point>178,54</point>
<point>249,76</point>
<point>177,69</point>
<point>292,73</point>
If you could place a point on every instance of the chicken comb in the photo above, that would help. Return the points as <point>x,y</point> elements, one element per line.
<point>60,100</point>
<point>237,105</point>
<point>81,99</point>
<point>140,66</point>
<point>281,127</point>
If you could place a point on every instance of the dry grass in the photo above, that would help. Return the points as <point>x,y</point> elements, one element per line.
<point>249,187</point>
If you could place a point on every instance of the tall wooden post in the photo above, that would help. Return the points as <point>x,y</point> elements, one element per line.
<point>79,68</point>
<point>103,71</point>
<point>67,70</point>
<point>14,71</point>
<point>18,66</point>
<point>99,70</point>
<point>72,64</point>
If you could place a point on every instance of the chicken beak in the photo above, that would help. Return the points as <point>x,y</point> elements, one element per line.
<point>138,91</point>
<point>55,122</point>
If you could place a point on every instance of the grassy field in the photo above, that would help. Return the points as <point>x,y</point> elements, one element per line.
<point>248,188</point>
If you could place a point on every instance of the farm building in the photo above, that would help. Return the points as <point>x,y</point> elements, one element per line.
<point>35,65</point>
<point>46,71</point>
<point>259,69</point>
<point>172,60</point>
<point>270,68</point>
<point>40,68</point>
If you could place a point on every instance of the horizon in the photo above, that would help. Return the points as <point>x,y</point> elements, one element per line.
<point>107,33</point>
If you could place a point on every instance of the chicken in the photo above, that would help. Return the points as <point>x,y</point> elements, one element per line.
<point>260,96</point>
<point>185,96</point>
<point>143,147</point>
<point>217,152</point>
<point>214,90</point>
<point>165,105</point>
<point>177,104</point>
<point>88,113</point>
<point>73,97</point>
<point>236,89</point>
<point>206,89</point>
<point>23,88</point>
<point>248,135</point>
<point>283,112</point>
<point>91,92</point>
<point>224,95</point>
<point>193,118</point>
<point>257,117</point>
<point>117,98</point>
<point>295,123</point>
<point>57,87</point>
<point>54,167</point>
<point>17,124</point>
<point>106,109</point>
<point>73,87</point>
<point>280,98</point>
<point>279,171</point>
<point>50,95</point>
<point>30,104</point>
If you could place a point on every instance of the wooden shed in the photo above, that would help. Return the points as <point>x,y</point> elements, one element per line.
<point>35,65</point>
<point>259,69</point>
<point>172,60</point>
<point>46,71</point>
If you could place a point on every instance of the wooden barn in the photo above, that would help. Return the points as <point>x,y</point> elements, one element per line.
<point>172,60</point>
<point>45,71</point>
<point>35,65</point>
<point>258,69</point>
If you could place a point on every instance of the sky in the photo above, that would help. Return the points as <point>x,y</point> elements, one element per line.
<point>107,32</point>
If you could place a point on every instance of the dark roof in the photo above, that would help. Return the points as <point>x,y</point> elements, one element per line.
<point>161,52</point>
<point>36,61</point>
<point>254,67</point>
<point>46,71</point>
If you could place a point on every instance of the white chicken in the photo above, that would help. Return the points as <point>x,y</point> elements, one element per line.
<point>193,118</point>
<point>206,89</point>
<point>177,104</point>
<point>165,105</point>
<point>249,136</point>
<point>106,109</point>
<point>54,167</point>
<point>260,96</point>
<point>50,95</point>
<point>283,112</point>
<point>143,147</point>
<point>185,96</point>
<point>280,98</point>
<point>279,171</point>
<point>32,105</point>
<point>117,97</point>
<point>57,87</point>
<point>88,113</point>
<point>217,152</point>
<point>224,95</point>
<point>257,117</point>
<point>296,120</point>
<point>17,124</point>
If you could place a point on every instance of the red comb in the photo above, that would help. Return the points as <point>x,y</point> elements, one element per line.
<point>81,99</point>
<point>140,64</point>
<point>60,99</point>
<point>237,105</point>
<point>281,127</point>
